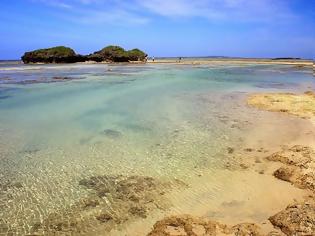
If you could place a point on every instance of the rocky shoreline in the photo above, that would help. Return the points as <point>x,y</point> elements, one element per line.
<point>297,218</point>
<point>298,168</point>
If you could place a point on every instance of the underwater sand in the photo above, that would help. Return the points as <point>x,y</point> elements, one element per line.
<point>186,127</point>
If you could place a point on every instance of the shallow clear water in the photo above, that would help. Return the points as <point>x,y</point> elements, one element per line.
<point>168,122</point>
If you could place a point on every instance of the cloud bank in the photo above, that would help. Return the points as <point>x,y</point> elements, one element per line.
<point>143,11</point>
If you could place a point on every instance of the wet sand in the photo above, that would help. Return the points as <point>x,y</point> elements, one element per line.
<point>237,198</point>
<point>300,64</point>
<point>273,193</point>
<point>248,192</point>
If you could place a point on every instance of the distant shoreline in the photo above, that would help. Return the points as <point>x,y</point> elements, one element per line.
<point>303,62</point>
<point>199,60</point>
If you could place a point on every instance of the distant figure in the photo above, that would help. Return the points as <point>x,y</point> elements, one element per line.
<point>153,59</point>
<point>180,59</point>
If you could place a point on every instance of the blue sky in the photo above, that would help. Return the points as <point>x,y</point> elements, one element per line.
<point>246,28</point>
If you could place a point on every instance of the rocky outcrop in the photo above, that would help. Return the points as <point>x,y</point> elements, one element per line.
<point>296,219</point>
<point>63,54</point>
<point>297,155</point>
<point>58,54</point>
<point>299,168</point>
<point>117,54</point>
<point>187,225</point>
<point>301,105</point>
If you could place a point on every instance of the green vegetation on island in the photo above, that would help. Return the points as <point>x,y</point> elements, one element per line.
<point>117,54</point>
<point>63,54</point>
<point>58,54</point>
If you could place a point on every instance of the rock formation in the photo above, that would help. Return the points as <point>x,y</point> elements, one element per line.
<point>117,54</point>
<point>58,54</point>
<point>186,225</point>
<point>63,54</point>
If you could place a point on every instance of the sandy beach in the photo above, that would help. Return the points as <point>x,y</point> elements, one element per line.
<point>234,61</point>
<point>293,162</point>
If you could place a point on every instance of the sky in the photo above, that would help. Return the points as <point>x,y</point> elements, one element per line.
<point>236,28</point>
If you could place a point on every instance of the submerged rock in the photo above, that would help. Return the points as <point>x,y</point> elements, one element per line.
<point>45,80</point>
<point>114,134</point>
<point>104,217</point>
<point>110,202</point>
<point>63,78</point>
<point>10,185</point>
<point>4,97</point>
<point>133,188</point>
<point>187,225</point>
<point>90,202</point>
<point>138,211</point>
<point>230,150</point>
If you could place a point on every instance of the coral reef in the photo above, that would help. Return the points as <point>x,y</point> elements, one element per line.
<point>187,225</point>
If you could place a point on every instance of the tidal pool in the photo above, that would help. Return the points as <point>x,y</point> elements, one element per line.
<point>92,149</point>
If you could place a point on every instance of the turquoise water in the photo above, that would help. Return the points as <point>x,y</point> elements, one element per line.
<point>163,121</point>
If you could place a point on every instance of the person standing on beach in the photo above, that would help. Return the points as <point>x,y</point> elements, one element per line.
<point>153,58</point>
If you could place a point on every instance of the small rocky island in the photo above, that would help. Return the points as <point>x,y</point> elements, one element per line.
<point>63,54</point>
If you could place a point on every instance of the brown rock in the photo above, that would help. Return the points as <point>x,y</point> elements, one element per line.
<point>186,225</point>
<point>296,176</point>
<point>230,150</point>
<point>249,150</point>
<point>245,229</point>
<point>306,181</point>
<point>297,219</point>
<point>297,155</point>
<point>284,173</point>
<point>104,217</point>
<point>90,202</point>
<point>138,211</point>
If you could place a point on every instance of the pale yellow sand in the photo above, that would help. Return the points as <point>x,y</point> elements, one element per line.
<point>302,105</point>
<point>252,201</point>
<point>236,61</point>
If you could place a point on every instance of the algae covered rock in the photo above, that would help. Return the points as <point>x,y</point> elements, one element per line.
<point>58,54</point>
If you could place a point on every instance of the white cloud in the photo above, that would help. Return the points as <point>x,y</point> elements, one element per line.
<point>55,3</point>
<point>95,12</point>
<point>114,16</point>
<point>139,11</point>
<point>242,10</point>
